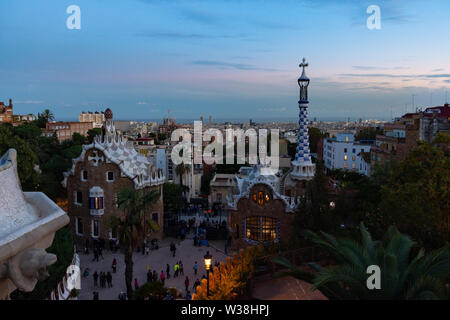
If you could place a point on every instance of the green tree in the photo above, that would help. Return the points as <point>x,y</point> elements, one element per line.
<point>26,158</point>
<point>172,195</point>
<point>132,226</point>
<point>314,209</point>
<point>369,133</point>
<point>92,133</point>
<point>180,170</point>
<point>416,196</point>
<point>402,275</point>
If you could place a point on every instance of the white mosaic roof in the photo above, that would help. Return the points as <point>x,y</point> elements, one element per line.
<point>116,149</point>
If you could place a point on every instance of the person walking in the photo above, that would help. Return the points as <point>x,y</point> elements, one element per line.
<point>162,277</point>
<point>176,268</point>
<point>196,284</point>
<point>95,255</point>
<point>173,248</point>
<point>100,253</point>
<point>136,284</point>
<point>195,268</point>
<point>186,283</point>
<point>109,279</point>
<point>103,280</point>
<point>181,268</point>
<point>95,278</point>
<point>114,265</point>
<point>149,276</point>
<point>168,271</point>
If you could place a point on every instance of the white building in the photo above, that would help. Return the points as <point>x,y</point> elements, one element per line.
<point>343,152</point>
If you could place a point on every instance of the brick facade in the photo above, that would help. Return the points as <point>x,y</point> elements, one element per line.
<point>247,207</point>
<point>97,177</point>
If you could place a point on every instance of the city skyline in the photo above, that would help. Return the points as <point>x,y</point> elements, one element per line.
<point>223,58</point>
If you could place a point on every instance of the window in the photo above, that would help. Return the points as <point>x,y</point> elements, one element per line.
<point>78,226</point>
<point>78,197</point>
<point>260,198</point>
<point>346,139</point>
<point>353,166</point>
<point>95,228</point>
<point>269,229</point>
<point>345,165</point>
<point>345,157</point>
<point>96,203</point>
<point>219,197</point>
<point>110,176</point>
<point>252,228</point>
<point>261,228</point>
<point>84,175</point>
<point>345,150</point>
<point>112,234</point>
<point>353,158</point>
<point>354,150</point>
<point>96,199</point>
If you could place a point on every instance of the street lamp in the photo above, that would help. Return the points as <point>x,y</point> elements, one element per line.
<point>208,261</point>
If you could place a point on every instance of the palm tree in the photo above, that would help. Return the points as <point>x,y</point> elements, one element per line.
<point>48,115</point>
<point>180,170</point>
<point>422,277</point>
<point>132,227</point>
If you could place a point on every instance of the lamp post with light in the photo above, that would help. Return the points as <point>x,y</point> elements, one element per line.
<point>208,261</point>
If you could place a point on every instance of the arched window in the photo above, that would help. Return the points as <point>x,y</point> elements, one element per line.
<point>261,198</point>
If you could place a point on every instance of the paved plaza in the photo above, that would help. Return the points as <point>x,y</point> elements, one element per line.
<point>156,260</point>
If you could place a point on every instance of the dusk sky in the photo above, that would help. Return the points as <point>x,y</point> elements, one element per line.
<point>229,59</point>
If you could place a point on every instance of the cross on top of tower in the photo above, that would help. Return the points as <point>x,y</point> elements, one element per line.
<point>303,64</point>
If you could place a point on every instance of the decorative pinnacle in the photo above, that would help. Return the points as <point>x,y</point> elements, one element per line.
<point>303,64</point>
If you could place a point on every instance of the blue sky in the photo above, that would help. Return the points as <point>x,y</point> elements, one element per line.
<point>228,59</point>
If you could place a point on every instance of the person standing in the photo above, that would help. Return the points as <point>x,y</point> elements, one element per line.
<point>195,268</point>
<point>114,265</point>
<point>186,283</point>
<point>181,268</point>
<point>149,276</point>
<point>162,277</point>
<point>100,252</point>
<point>176,268</point>
<point>95,255</point>
<point>109,279</point>
<point>168,271</point>
<point>95,278</point>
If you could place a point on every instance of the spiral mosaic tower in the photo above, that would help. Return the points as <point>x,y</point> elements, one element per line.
<point>302,167</point>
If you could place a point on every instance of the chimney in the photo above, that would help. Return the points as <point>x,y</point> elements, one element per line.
<point>10,103</point>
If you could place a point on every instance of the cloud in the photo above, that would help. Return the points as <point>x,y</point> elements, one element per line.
<point>141,102</point>
<point>29,101</point>
<point>388,75</point>
<point>276,109</point>
<point>229,65</point>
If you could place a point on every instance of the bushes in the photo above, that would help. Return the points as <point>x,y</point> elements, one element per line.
<point>230,280</point>
<point>153,291</point>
